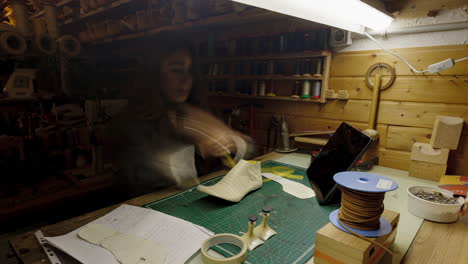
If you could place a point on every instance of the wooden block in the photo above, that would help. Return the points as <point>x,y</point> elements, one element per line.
<point>343,94</point>
<point>446,132</point>
<point>372,152</point>
<point>425,152</point>
<point>312,140</point>
<point>333,245</point>
<point>330,93</point>
<point>396,159</point>
<point>403,138</point>
<point>427,170</point>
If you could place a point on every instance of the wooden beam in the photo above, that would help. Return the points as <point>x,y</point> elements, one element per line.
<point>446,132</point>
<point>425,152</point>
<point>357,63</point>
<point>396,159</point>
<point>431,89</point>
<point>403,138</point>
<point>427,170</point>
<point>312,140</point>
<point>418,114</point>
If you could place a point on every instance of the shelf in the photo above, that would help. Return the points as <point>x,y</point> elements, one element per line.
<point>249,16</point>
<point>59,4</point>
<point>278,56</point>
<point>312,140</point>
<point>274,98</point>
<point>217,77</point>
<point>263,77</point>
<point>97,11</point>
<point>324,79</point>
<point>278,77</point>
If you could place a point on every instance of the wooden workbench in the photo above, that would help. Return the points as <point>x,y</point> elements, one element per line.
<point>434,243</point>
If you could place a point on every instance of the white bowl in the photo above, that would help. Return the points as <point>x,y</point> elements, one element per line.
<point>438,212</point>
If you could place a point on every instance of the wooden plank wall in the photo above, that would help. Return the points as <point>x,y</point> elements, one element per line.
<point>407,109</point>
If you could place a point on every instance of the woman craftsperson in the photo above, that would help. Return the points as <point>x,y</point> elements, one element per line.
<point>155,139</point>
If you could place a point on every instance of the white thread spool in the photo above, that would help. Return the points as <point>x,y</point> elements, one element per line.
<point>305,89</point>
<point>262,88</point>
<point>318,68</point>
<point>51,21</point>
<point>316,88</point>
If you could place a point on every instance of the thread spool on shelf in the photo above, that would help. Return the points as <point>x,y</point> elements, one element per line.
<point>262,88</point>
<point>305,94</point>
<point>318,68</point>
<point>271,89</point>
<point>296,89</point>
<point>316,89</point>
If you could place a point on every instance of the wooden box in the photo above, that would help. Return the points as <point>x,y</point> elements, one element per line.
<point>425,152</point>
<point>333,246</point>
<point>427,170</point>
<point>372,152</point>
<point>446,132</point>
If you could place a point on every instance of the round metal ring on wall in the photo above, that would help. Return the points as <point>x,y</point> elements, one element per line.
<point>369,82</point>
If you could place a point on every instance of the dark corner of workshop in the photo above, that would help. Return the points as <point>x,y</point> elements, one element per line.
<point>233,131</point>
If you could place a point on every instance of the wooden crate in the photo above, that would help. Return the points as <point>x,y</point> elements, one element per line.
<point>425,152</point>
<point>446,132</point>
<point>427,170</point>
<point>334,246</point>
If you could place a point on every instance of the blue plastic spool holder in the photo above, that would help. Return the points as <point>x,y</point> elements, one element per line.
<point>364,182</point>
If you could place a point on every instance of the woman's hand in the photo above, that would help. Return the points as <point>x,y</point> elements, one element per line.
<point>211,135</point>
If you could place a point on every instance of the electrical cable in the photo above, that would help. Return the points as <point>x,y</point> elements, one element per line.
<point>400,57</point>
<point>361,210</point>
<point>462,59</point>
<point>394,54</point>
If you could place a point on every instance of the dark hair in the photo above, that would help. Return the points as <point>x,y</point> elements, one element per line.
<point>146,97</point>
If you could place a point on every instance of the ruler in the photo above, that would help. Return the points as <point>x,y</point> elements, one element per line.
<point>47,248</point>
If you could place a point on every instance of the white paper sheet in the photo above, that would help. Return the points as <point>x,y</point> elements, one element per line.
<point>180,238</point>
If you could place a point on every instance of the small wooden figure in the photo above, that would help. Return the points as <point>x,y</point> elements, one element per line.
<point>427,170</point>
<point>425,152</point>
<point>446,132</point>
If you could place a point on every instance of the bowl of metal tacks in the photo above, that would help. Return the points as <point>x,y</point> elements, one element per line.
<point>434,204</point>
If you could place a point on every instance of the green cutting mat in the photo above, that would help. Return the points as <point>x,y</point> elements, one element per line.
<point>295,220</point>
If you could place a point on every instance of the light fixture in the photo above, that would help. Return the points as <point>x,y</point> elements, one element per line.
<point>352,15</point>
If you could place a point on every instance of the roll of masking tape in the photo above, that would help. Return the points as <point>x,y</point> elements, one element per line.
<point>224,238</point>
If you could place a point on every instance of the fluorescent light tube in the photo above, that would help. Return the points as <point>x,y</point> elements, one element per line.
<point>352,15</point>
